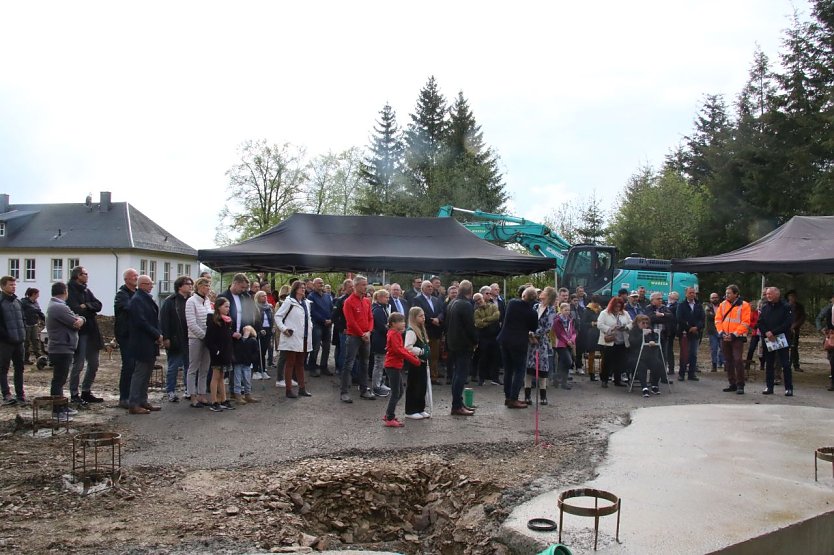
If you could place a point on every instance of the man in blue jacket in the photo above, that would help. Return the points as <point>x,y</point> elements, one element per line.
<point>690,321</point>
<point>322,309</point>
<point>145,339</point>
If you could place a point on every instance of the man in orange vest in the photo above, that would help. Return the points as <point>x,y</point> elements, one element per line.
<point>732,322</point>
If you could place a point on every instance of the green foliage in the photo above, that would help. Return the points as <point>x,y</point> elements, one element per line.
<point>265,186</point>
<point>383,180</point>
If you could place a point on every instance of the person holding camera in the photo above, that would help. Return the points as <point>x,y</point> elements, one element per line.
<point>296,326</point>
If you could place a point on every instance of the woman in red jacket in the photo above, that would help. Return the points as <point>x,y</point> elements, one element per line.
<point>395,356</point>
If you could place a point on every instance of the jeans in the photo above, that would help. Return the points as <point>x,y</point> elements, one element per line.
<point>242,379</point>
<point>355,350</point>
<point>60,370</point>
<point>11,353</point>
<point>690,365</point>
<point>321,340</point>
<point>176,361</point>
<point>126,373</point>
<point>139,384</point>
<point>564,362</point>
<point>90,356</point>
<point>462,363</point>
<point>785,361</point>
<point>515,363</point>
<point>395,378</point>
<point>715,350</point>
<point>340,350</point>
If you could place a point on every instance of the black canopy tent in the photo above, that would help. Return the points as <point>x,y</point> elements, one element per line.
<point>322,243</point>
<point>803,245</point>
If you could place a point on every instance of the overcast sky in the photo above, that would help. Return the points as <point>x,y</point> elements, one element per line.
<point>150,100</point>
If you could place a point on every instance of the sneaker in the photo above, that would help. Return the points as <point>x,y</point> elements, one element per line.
<point>281,383</point>
<point>197,405</point>
<point>172,397</point>
<point>425,414</point>
<point>78,401</point>
<point>62,416</point>
<point>729,389</point>
<point>90,398</point>
<point>345,398</point>
<point>265,376</point>
<point>415,416</point>
<point>767,392</point>
<point>655,390</point>
<point>740,390</point>
<point>216,407</point>
<point>380,392</point>
<point>257,376</point>
<point>22,400</point>
<point>393,423</point>
<point>789,392</point>
<point>367,395</point>
<point>227,405</point>
<point>645,392</point>
<point>70,411</point>
<point>187,397</point>
<point>496,382</point>
<point>8,400</point>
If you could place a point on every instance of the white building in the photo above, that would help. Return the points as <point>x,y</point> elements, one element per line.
<point>41,243</point>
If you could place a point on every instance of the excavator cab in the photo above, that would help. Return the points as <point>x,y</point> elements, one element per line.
<point>591,267</point>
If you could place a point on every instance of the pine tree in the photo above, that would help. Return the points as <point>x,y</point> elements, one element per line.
<point>424,151</point>
<point>592,228</point>
<point>471,178</point>
<point>382,170</point>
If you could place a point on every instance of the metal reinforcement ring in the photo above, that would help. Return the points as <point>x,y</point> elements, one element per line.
<point>96,456</point>
<point>596,511</point>
<point>48,404</point>
<point>823,454</point>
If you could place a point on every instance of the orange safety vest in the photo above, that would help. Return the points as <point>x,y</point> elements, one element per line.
<point>737,320</point>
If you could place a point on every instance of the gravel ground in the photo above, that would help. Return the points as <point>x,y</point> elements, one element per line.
<point>196,481</point>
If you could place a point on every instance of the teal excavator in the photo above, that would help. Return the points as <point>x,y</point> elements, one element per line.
<point>586,265</point>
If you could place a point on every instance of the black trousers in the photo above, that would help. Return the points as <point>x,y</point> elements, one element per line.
<point>415,389</point>
<point>60,371</point>
<point>11,354</point>
<point>488,358</point>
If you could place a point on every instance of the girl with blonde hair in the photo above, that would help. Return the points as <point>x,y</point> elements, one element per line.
<point>417,384</point>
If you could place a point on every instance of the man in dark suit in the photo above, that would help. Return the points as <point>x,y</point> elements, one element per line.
<point>433,308</point>
<point>416,290</point>
<point>145,338</point>
<point>244,312</point>
<point>519,326</point>
<point>398,302</point>
<point>690,319</point>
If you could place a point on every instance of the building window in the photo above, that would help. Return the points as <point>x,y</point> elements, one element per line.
<point>2,229</point>
<point>187,270</point>
<point>152,271</point>
<point>73,263</point>
<point>166,271</point>
<point>143,267</point>
<point>57,269</point>
<point>14,268</point>
<point>30,269</point>
<point>180,269</point>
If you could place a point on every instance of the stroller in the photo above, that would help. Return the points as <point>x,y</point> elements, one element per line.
<point>43,360</point>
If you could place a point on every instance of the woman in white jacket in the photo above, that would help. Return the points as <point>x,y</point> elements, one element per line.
<point>294,322</point>
<point>613,324</point>
<point>197,308</point>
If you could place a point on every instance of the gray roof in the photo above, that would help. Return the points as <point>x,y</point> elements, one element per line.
<point>78,226</point>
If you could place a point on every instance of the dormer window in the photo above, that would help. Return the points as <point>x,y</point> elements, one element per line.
<point>2,229</point>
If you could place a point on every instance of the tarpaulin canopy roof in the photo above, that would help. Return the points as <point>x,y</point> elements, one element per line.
<point>317,243</point>
<point>803,245</point>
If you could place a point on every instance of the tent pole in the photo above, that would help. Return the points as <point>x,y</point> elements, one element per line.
<point>505,288</point>
<point>764,283</point>
<point>383,277</point>
<point>556,279</point>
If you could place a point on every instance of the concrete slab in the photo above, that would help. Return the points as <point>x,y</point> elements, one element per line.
<point>704,479</point>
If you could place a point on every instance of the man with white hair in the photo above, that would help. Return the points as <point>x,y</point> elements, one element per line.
<point>433,309</point>
<point>775,320</point>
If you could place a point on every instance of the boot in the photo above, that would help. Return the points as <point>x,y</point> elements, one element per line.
<point>249,399</point>
<point>543,396</point>
<point>715,368</point>
<point>238,399</point>
<point>302,392</point>
<point>527,392</point>
<point>379,389</point>
<point>593,377</point>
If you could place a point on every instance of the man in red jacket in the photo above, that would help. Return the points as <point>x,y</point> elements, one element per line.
<point>359,323</point>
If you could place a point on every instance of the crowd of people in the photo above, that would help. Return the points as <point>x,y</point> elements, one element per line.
<point>393,343</point>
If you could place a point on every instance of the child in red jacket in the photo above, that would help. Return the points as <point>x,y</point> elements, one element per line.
<point>395,355</point>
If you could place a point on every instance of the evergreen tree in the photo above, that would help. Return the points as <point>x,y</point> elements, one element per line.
<point>592,228</point>
<point>424,152</point>
<point>382,170</point>
<point>470,175</point>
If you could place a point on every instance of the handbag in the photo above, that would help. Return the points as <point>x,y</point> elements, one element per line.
<point>828,344</point>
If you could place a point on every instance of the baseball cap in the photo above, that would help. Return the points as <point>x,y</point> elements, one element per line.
<point>634,294</point>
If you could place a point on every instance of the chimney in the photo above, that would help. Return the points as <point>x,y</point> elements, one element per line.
<point>4,203</point>
<point>104,202</point>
